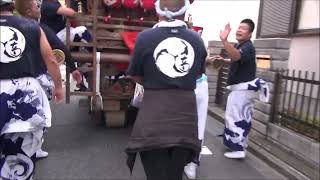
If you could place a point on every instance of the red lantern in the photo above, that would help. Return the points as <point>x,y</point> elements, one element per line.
<point>130,4</point>
<point>147,4</point>
<point>111,6</point>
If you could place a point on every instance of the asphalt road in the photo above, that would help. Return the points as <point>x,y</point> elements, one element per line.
<point>79,149</point>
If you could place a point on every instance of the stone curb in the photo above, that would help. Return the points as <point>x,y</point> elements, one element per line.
<point>254,148</point>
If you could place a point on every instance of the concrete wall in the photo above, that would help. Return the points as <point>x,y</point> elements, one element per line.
<point>278,49</point>
<point>214,48</point>
<point>305,148</point>
<point>212,82</point>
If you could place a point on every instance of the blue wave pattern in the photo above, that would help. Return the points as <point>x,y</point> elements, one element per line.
<point>46,82</point>
<point>15,164</point>
<point>15,107</point>
<point>20,100</point>
<point>236,141</point>
<point>237,130</point>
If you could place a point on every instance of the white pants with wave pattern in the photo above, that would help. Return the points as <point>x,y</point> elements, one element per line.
<point>238,118</point>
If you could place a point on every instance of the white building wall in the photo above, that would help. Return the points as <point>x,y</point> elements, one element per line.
<point>304,54</point>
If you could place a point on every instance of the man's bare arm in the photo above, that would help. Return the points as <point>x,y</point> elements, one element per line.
<point>65,11</point>
<point>52,65</point>
<point>233,53</point>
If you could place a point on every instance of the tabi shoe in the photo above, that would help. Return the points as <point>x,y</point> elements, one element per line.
<point>41,154</point>
<point>235,154</point>
<point>190,170</point>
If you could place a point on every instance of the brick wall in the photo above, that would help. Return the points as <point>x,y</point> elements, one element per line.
<point>278,49</point>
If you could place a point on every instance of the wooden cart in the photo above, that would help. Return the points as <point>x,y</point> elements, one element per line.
<point>109,95</point>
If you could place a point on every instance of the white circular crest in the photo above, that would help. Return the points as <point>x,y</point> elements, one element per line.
<point>13,44</point>
<point>174,57</point>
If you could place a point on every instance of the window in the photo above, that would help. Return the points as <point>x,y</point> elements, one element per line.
<point>287,18</point>
<point>308,15</point>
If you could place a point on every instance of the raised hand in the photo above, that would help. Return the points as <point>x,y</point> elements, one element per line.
<point>225,33</point>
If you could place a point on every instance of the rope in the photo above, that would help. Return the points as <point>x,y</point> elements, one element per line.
<point>169,14</point>
<point>39,3</point>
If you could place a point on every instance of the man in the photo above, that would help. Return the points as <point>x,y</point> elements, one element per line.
<point>25,109</point>
<point>242,72</point>
<point>167,61</point>
<point>202,98</point>
<point>31,9</point>
<point>53,14</point>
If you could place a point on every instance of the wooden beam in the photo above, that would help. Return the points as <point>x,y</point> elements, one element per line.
<point>105,57</point>
<point>122,27</point>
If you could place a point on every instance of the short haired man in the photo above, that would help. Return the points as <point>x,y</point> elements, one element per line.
<point>53,14</point>
<point>25,109</point>
<point>167,60</point>
<point>239,105</point>
<point>31,9</point>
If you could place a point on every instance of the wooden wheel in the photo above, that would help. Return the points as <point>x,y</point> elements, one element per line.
<point>96,111</point>
<point>115,119</point>
<point>97,117</point>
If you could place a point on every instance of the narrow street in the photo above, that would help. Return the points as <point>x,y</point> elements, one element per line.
<point>79,149</point>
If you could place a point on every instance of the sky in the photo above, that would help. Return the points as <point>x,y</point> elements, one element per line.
<point>214,14</point>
